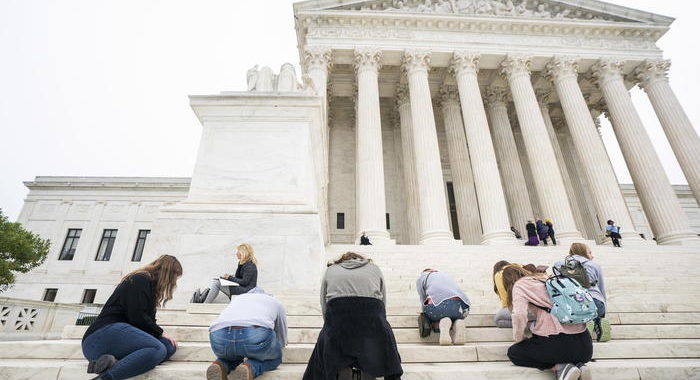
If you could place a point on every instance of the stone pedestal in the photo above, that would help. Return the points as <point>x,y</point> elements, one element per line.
<point>256,180</point>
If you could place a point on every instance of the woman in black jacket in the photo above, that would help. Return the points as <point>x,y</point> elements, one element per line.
<point>246,275</point>
<point>125,341</point>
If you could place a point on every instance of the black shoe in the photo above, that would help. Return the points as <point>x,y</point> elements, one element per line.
<point>102,364</point>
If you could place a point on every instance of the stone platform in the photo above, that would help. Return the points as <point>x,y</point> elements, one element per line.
<point>653,305</point>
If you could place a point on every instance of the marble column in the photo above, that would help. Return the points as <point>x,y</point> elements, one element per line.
<point>461,168</point>
<point>543,100</point>
<point>489,189</point>
<point>434,219</point>
<point>652,77</point>
<point>369,172</point>
<point>403,105</point>
<point>661,206</point>
<point>597,170</point>
<point>548,180</point>
<point>317,63</point>
<point>512,174</point>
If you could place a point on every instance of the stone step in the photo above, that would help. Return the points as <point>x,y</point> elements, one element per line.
<point>646,369</point>
<point>410,353</point>
<point>180,318</point>
<point>411,306</point>
<point>410,334</point>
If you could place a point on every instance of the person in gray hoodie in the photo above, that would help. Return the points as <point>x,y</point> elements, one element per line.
<point>600,327</point>
<point>444,304</point>
<point>355,330</point>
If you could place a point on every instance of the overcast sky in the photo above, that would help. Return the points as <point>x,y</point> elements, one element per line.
<point>99,88</point>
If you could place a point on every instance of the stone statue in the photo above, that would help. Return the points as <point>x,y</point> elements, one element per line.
<point>307,86</point>
<point>252,77</point>
<point>266,80</point>
<point>287,81</point>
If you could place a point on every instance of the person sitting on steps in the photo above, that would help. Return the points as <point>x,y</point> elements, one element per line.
<point>355,331</point>
<point>561,348</point>
<point>364,240</point>
<point>444,304</point>
<point>125,341</point>
<point>502,318</point>
<point>599,327</point>
<point>246,275</point>
<point>613,232</point>
<point>248,336</point>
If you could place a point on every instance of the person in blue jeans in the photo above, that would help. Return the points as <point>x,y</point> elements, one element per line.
<point>125,341</point>
<point>444,304</point>
<point>248,336</point>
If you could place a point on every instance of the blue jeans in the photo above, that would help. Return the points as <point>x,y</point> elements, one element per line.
<point>137,351</point>
<point>258,345</point>
<point>450,308</point>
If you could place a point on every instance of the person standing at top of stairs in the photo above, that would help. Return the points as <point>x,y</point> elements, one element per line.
<point>444,304</point>
<point>125,341</point>
<point>561,348</point>
<point>355,330</point>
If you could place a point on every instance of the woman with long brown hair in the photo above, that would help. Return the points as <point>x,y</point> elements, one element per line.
<point>561,348</point>
<point>125,341</point>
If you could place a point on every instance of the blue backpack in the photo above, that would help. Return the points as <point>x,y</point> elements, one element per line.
<point>571,303</point>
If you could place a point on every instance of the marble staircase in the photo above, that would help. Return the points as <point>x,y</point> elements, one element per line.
<point>654,309</point>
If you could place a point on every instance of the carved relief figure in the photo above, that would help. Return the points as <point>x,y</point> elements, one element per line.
<point>252,77</point>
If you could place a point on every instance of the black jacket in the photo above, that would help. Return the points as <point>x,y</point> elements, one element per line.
<point>131,302</point>
<point>246,276</point>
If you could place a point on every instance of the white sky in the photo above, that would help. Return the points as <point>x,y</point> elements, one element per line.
<point>99,88</point>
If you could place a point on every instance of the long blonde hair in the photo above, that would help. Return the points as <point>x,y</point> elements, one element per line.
<point>164,272</point>
<point>247,253</point>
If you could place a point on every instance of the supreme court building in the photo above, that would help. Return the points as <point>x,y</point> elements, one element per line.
<point>435,122</point>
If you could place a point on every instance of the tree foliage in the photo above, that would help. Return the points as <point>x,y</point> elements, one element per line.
<point>20,251</point>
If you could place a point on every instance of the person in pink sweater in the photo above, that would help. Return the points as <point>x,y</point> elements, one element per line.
<point>561,348</point>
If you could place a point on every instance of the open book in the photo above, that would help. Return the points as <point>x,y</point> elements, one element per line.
<point>225,282</point>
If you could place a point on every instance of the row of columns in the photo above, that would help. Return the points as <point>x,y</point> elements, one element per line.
<point>474,158</point>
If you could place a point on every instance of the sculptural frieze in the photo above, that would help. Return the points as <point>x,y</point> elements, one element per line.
<point>499,8</point>
<point>265,80</point>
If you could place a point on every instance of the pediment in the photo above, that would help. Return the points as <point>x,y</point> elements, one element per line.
<point>578,10</point>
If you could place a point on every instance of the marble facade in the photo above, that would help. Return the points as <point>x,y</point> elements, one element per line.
<point>419,122</point>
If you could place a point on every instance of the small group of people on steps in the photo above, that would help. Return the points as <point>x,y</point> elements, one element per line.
<point>539,231</point>
<point>356,340</point>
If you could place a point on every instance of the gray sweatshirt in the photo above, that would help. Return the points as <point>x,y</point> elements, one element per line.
<point>439,287</point>
<point>595,274</point>
<point>254,309</point>
<point>352,278</point>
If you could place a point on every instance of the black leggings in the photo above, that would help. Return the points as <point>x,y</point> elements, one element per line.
<point>545,352</point>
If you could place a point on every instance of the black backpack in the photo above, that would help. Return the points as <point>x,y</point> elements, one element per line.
<point>573,268</point>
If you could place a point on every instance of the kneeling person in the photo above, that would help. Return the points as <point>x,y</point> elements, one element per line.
<point>444,303</point>
<point>248,336</point>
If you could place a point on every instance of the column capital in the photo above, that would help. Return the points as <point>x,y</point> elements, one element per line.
<point>416,60</point>
<point>515,65</point>
<point>449,96</point>
<point>402,95</point>
<point>560,68</point>
<point>317,56</point>
<point>543,95</point>
<point>465,61</point>
<point>496,95</point>
<point>651,72</point>
<point>367,59</point>
<point>606,69</point>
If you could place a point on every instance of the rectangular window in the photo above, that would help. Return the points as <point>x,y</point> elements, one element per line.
<point>104,252</point>
<point>340,221</point>
<point>388,222</point>
<point>89,296</point>
<point>70,244</point>
<point>140,243</point>
<point>50,294</point>
<point>453,210</point>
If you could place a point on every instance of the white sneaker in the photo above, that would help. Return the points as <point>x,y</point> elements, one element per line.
<point>445,338</point>
<point>585,372</point>
<point>569,372</point>
<point>457,332</point>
